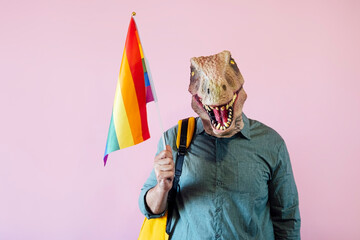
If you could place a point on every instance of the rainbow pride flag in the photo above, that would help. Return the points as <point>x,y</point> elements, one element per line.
<point>128,124</point>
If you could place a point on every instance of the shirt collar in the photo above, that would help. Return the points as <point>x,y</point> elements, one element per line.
<point>245,131</point>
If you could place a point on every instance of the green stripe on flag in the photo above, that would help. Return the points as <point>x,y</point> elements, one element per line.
<point>112,142</point>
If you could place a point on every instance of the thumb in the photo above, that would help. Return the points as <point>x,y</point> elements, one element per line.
<point>168,148</point>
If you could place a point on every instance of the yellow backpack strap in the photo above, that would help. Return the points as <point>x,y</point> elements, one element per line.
<point>186,128</point>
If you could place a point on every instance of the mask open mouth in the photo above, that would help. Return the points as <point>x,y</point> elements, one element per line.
<point>221,116</point>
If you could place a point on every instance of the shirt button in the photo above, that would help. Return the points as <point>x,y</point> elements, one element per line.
<point>218,210</point>
<point>217,236</point>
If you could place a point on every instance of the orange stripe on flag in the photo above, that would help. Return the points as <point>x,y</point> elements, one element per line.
<point>130,100</point>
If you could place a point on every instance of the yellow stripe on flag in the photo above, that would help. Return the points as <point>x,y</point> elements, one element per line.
<point>121,121</point>
<point>131,112</point>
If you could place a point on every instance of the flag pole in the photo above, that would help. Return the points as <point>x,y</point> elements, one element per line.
<point>152,87</point>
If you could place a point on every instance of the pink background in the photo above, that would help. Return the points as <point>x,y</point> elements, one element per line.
<point>59,62</point>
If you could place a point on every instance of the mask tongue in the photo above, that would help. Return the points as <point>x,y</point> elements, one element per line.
<point>221,115</point>
<point>224,114</point>
<point>217,115</point>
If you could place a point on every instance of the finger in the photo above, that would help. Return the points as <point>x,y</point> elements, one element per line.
<point>165,161</point>
<point>166,175</point>
<point>165,168</point>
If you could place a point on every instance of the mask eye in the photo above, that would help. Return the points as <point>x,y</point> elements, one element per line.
<point>192,73</point>
<point>233,64</point>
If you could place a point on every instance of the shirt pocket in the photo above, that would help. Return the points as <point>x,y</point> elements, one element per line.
<point>253,178</point>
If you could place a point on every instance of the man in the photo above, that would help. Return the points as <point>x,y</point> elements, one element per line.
<point>237,181</point>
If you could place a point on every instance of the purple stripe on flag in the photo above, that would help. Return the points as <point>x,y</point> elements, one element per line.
<point>149,94</point>
<point>105,159</point>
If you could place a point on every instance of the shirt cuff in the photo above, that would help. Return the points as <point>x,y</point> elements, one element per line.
<point>144,208</point>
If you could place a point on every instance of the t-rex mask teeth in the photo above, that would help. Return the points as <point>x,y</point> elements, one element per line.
<point>221,116</point>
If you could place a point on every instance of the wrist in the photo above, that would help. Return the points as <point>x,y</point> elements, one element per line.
<point>161,192</point>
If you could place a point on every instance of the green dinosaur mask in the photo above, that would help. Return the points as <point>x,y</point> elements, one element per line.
<point>218,96</point>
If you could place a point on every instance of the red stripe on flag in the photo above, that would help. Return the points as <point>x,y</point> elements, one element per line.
<point>137,72</point>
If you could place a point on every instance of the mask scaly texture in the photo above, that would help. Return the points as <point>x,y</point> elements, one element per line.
<point>218,96</point>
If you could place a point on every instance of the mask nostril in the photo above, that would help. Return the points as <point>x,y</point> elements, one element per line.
<point>224,87</point>
<point>208,90</point>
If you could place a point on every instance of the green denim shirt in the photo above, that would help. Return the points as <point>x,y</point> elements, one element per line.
<point>240,187</point>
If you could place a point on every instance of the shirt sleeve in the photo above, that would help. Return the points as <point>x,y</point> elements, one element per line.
<point>283,198</point>
<point>149,184</point>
